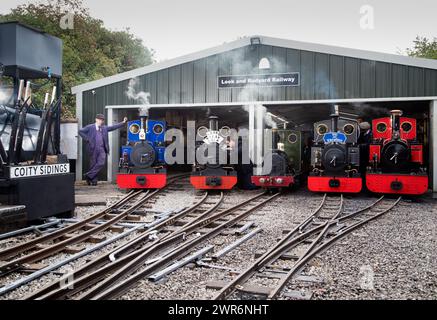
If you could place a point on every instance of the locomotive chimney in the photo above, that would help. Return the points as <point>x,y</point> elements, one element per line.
<point>334,118</point>
<point>144,115</point>
<point>396,120</point>
<point>275,139</point>
<point>213,123</point>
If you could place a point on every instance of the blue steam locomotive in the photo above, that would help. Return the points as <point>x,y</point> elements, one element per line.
<point>142,163</point>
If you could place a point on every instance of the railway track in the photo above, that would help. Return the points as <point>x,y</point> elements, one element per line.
<point>18,257</point>
<point>111,277</point>
<point>320,230</point>
<point>169,228</point>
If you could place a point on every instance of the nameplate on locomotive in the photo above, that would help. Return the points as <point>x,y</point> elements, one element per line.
<point>17,172</point>
<point>213,137</point>
<point>334,137</point>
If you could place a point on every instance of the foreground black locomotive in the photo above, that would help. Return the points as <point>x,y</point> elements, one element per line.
<point>212,174</point>
<point>335,156</point>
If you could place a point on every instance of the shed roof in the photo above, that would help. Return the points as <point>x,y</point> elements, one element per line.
<point>245,41</point>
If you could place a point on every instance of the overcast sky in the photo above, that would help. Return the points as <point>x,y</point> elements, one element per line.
<point>177,27</point>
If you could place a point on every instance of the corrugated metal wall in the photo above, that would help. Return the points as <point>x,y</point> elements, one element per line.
<point>322,76</point>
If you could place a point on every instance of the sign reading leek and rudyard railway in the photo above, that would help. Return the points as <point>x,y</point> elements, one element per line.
<point>260,80</point>
<point>39,170</point>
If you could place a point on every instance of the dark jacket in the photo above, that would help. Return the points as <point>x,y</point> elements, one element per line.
<point>88,133</point>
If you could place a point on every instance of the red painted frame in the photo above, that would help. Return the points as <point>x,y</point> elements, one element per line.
<point>347,185</point>
<point>411,184</point>
<point>199,182</point>
<point>153,181</point>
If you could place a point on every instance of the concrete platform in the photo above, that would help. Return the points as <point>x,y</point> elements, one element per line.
<point>99,195</point>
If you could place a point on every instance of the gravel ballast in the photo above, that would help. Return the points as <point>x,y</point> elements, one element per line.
<point>393,257</point>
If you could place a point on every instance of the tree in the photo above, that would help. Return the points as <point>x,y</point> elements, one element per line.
<point>423,48</point>
<point>91,51</point>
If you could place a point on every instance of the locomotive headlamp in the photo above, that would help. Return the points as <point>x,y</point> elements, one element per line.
<point>262,180</point>
<point>279,180</point>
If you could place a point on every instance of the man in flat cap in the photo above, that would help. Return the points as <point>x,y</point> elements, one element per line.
<point>96,135</point>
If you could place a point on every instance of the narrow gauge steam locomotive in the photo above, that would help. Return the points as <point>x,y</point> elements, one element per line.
<point>142,163</point>
<point>335,156</point>
<point>286,160</point>
<point>396,157</point>
<point>212,174</point>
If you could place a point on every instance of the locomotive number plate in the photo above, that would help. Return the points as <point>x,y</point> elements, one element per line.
<point>334,137</point>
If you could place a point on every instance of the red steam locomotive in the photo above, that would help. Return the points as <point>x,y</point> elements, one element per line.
<point>396,157</point>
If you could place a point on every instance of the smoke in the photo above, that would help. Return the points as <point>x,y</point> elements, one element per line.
<point>242,65</point>
<point>141,96</point>
<point>325,88</point>
<point>369,112</point>
<point>268,120</point>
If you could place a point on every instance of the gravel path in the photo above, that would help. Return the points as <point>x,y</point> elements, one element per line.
<point>172,200</point>
<point>394,257</point>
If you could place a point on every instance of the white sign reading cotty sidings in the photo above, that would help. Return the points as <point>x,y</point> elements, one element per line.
<point>38,170</point>
<point>259,80</point>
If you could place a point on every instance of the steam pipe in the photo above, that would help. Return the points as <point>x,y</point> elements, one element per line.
<point>144,115</point>
<point>213,123</point>
<point>396,119</point>
<point>275,139</point>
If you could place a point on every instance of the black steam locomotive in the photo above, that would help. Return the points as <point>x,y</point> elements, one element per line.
<point>212,174</point>
<point>335,156</point>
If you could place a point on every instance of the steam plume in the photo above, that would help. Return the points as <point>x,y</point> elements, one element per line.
<point>141,96</point>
